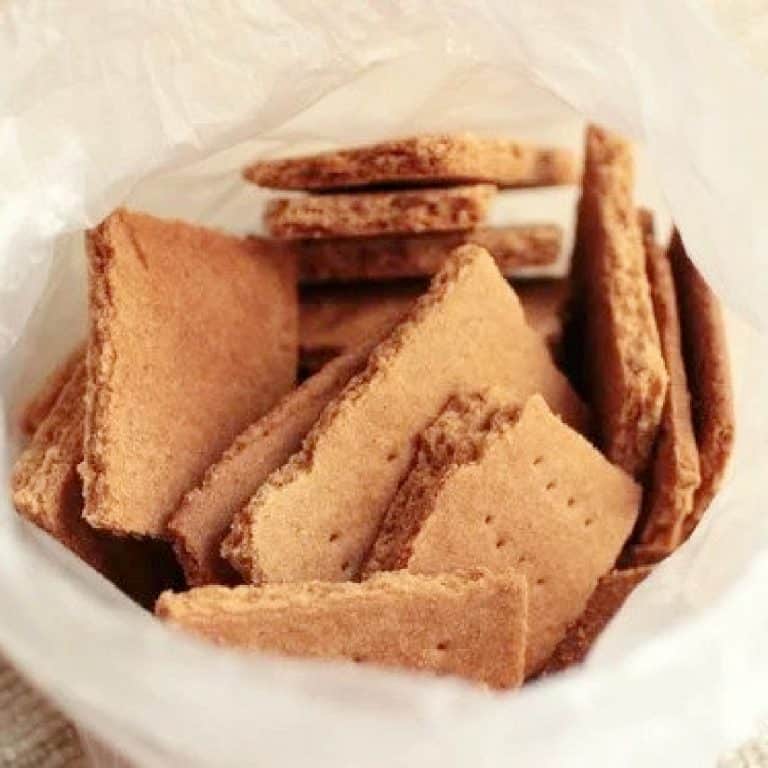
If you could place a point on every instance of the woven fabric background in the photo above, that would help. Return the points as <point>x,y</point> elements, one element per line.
<point>34,735</point>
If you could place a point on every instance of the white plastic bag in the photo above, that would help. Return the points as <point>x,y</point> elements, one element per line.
<point>98,96</point>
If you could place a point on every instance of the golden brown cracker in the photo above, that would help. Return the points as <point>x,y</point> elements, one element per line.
<point>205,514</point>
<point>472,624</point>
<point>38,407</point>
<point>604,603</point>
<point>709,375</point>
<point>316,517</point>
<point>377,213</point>
<point>193,335</point>
<point>347,259</point>
<point>498,487</point>
<point>626,375</point>
<point>674,475</point>
<point>439,159</point>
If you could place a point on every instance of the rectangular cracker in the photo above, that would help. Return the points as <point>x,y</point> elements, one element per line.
<point>193,335</point>
<point>471,624</point>
<point>346,259</point>
<point>334,320</point>
<point>674,475</point>
<point>439,159</point>
<point>316,517</point>
<point>498,486</point>
<point>705,349</point>
<point>48,492</point>
<point>38,407</point>
<point>626,372</point>
<point>205,513</point>
<point>377,213</point>
<point>604,603</point>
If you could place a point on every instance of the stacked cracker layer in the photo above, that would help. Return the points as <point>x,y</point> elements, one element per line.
<point>437,495</point>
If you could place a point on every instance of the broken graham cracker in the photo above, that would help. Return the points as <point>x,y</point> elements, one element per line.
<point>205,514</point>
<point>471,624</point>
<point>48,492</point>
<point>346,259</point>
<point>605,602</point>
<point>333,320</point>
<point>193,335</point>
<point>674,475</point>
<point>39,406</point>
<point>376,213</point>
<point>317,516</point>
<point>498,486</point>
<point>709,376</point>
<point>626,372</point>
<point>439,159</point>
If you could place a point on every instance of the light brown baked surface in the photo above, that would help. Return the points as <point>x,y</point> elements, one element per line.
<point>376,213</point>
<point>472,625</point>
<point>193,335</point>
<point>346,259</point>
<point>39,405</point>
<point>511,489</point>
<point>625,368</point>
<point>674,475</point>
<point>709,376</point>
<point>336,319</point>
<point>205,514</point>
<point>421,159</point>
<point>48,492</point>
<point>604,603</point>
<point>317,516</point>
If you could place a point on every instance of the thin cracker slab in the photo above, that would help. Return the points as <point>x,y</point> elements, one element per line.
<point>447,158</point>
<point>346,259</point>
<point>199,525</point>
<point>376,213</point>
<point>39,406</point>
<point>193,335</point>
<point>502,488</point>
<point>48,492</point>
<point>316,517</point>
<point>605,602</point>
<point>675,472</point>
<point>472,624</point>
<point>709,375</point>
<point>626,371</point>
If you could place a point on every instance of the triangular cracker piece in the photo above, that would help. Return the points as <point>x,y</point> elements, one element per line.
<point>604,603</point>
<point>316,517</point>
<point>625,368</point>
<point>472,624</point>
<point>496,487</point>
<point>193,335</point>
<point>205,514</point>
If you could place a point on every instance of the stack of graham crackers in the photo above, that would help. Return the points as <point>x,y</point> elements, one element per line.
<point>438,494</point>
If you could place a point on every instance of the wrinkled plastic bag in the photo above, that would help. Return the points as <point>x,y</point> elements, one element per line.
<point>158,105</point>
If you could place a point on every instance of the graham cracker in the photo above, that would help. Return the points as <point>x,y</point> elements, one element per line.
<point>38,407</point>
<point>605,602</point>
<point>709,375</point>
<point>334,320</point>
<point>376,213</point>
<point>626,372</point>
<point>675,474</point>
<point>500,487</point>
<point>346,259</point>
<point>472,625</point>
<point>193,335</point>
<point>48,492</point>
<point>205,514</point>
<point>439,159</point>
<point>316,517</point>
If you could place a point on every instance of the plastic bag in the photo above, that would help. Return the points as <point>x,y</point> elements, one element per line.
<point>97,97</point>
